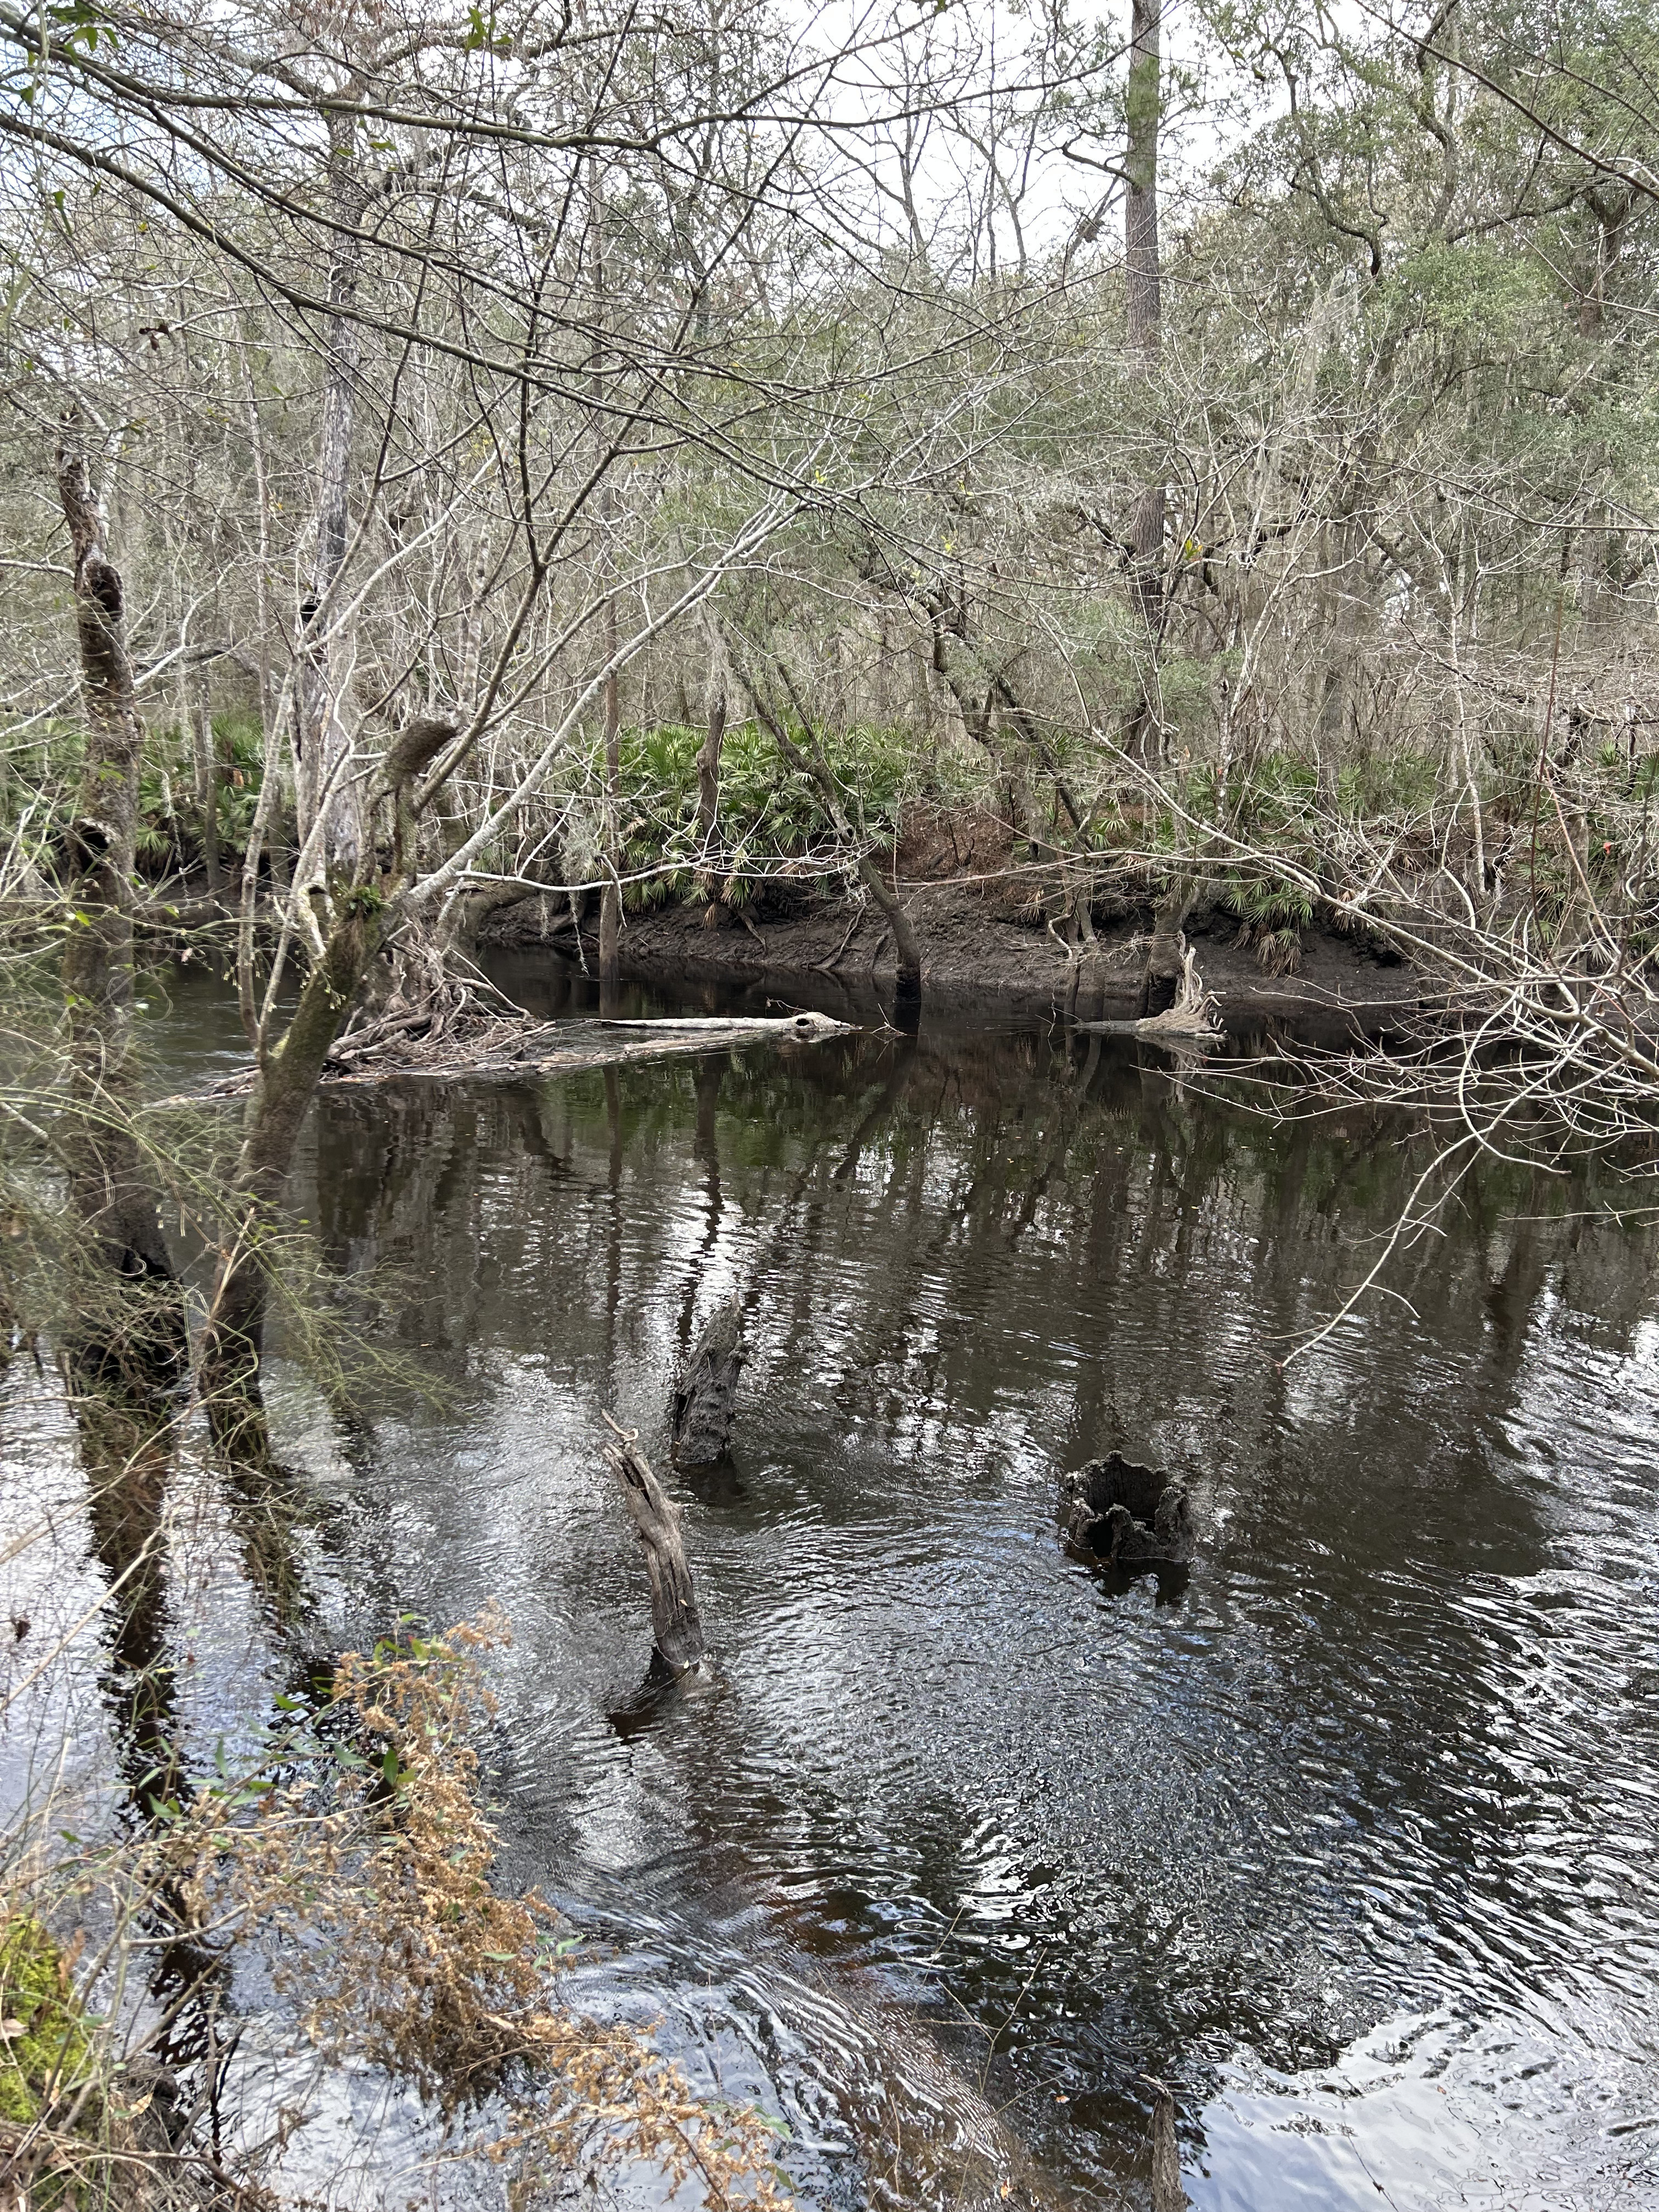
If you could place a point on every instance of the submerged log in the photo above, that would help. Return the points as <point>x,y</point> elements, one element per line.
<point>675,1621</point>
<point>516,1046</point>
<point>704,1401</point>
<point>1128,1514</point>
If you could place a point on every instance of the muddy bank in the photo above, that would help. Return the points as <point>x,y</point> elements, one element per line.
<point>976,958</point>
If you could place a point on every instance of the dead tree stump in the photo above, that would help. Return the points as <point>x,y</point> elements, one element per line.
<point>1127,1514</point>
<point>675,1621</point>
<point>704,1402</point>
<point>1168,2195</point>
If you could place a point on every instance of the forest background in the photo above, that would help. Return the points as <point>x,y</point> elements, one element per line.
<point>704,459</point>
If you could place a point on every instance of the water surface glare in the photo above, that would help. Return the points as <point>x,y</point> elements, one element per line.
<point>1353,1838</point>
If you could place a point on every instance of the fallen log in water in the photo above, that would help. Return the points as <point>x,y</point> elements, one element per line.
<point>704,1400</point>
<point>1128,1515</point>
<point>1170,1028</point>
<point>675,1621</point>
<point>510,1048</point>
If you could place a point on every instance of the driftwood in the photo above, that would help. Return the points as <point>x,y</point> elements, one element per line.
<point>675,1621</point>
<point>1192,1018</point>
<point>1158,1028</point>
<point>704,1401</point>
<point>1126,1514</point>
<point>515,1046</point>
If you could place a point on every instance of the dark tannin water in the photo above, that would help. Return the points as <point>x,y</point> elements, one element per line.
<point>1350,1834</point>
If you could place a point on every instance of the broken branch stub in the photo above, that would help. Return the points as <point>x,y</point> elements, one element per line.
<point>704,1401</point>
<point>675,1621</point>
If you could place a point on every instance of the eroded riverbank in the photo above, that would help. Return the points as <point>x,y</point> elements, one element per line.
<point>976,959</point>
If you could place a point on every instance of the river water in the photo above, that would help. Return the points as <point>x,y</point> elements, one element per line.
<point>1350,1834</point>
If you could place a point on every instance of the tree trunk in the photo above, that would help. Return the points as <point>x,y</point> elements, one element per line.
<point>234,1340</point>
<point>287,1077</point>
<point>610,897</point>
<point>285,1081</point>
<point>1143,285</point>
<point>322,742</point>
<point>1612,211</point>
<point>708,766</point>
<point>207,793</point>
<point>1141,271</point>
<point>1160,978</point>
<point>675,1621</point>
<point>277,849</point>
<point>906,949</point>
<point>138,1344</point>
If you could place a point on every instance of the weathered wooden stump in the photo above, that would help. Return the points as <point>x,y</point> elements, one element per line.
<point>1127,1514</point>
<point>1167,2194</point>
<point>704,1402</point>
<point>675,1621</point>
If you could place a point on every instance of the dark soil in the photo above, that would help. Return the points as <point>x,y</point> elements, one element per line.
<point>976,956</point>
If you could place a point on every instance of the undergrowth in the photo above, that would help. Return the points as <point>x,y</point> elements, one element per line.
<point>349,1851</point>
<point>1272,913</point>
<point>45,2060</point>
